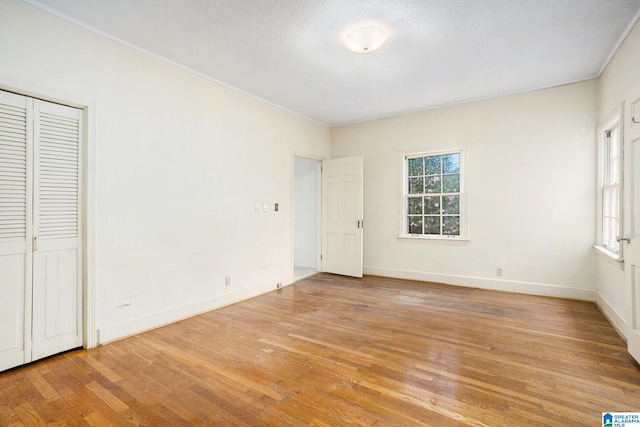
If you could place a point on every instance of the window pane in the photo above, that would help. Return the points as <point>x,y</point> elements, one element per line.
<point>415,225</point>
<point>451,204</point>
<point>610,233</point>
<point>451,183</point>
<point>610,204</point>
<point>432,205</point>
<point>432,225</point>
<point>415,166</point>
<point>614,209</point>
<point>416,185</point>
<point>615,232</point>
<point>433,184</point>
<point>606,201</point>
<point>415,206</point>
<point>451,163</point>
<point>614,143</point>
<point>451,225</point>
<point>614,172</point>
<point>605,231</point>
<point>432,165</point>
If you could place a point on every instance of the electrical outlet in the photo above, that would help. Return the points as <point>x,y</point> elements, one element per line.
<point>278,285</point>
<point>498,271</point>
<point>257,207</point>
<point>227,281</point>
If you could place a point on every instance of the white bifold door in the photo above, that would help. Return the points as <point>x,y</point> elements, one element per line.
<point>342,216</point>
<point>40,229</point>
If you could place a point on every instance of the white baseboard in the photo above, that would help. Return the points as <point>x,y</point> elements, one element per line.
<point>612,315</point>
<point>485,283</point>
<point>156,320</point>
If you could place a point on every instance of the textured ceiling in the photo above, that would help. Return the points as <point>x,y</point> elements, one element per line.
<point>440,52</point>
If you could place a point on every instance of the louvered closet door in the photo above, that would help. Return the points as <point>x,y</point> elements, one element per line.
<point>15,230</point>
<point>40,229</point>
<point>57,257</point>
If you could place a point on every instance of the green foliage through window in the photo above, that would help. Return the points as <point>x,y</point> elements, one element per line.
<point>433,196</point>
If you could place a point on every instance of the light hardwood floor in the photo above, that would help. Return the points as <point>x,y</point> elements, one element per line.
<point>335,351</point>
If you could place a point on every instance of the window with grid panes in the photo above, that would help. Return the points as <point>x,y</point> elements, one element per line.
<point>433,195</point>
<point>611,221</point>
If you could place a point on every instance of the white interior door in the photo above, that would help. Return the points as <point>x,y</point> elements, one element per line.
<point>40,229</point>
<point>15,230</point>
<point>632,251</point>
<point>342,216</point>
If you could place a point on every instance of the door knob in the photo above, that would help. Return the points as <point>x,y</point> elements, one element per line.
<point>623,239</point>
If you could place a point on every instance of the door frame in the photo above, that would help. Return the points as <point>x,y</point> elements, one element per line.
<point>88,106</point>
<point>318,159</point>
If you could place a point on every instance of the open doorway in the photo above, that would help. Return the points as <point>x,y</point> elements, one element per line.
<point>306,217</point>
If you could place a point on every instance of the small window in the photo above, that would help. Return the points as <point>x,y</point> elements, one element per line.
<point>610,191</point>
<point>433,197</point>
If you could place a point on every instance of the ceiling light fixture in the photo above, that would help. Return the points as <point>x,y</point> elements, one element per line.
<point>365,38</point>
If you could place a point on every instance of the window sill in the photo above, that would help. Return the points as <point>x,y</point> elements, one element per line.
<point>437,240</point>
<point>609,256</point>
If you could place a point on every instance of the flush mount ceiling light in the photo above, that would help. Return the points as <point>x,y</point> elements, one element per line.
<point>365,38</point>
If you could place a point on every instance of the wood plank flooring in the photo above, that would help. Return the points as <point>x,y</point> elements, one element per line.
<point>335,351</point>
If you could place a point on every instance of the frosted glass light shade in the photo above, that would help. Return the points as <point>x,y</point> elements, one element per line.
<point>365,38</point>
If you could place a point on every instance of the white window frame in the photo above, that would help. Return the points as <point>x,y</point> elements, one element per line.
<point>404,179</point>
<point>606,242</point>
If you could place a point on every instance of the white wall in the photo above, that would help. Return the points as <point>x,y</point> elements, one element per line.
<point>619,82</point>
<point>530,172</point>
<point>305,212</point>
<point>180,162</point>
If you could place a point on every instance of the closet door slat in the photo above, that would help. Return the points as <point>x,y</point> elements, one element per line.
<point>13,171</point>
